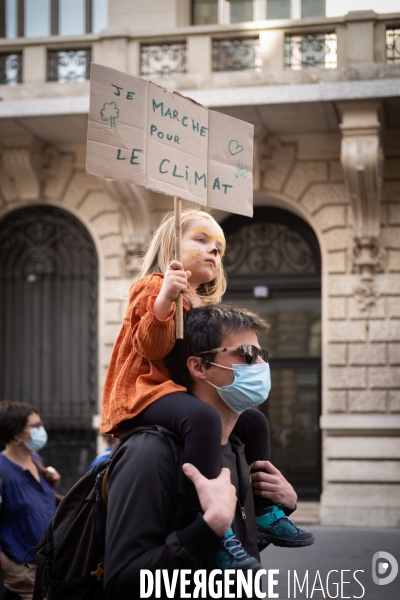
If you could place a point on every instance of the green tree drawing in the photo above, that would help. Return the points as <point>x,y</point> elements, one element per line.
<point>110,112</point>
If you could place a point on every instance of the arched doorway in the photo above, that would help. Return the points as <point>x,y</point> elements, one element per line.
<point>273,264</point>
<point>48,328</point>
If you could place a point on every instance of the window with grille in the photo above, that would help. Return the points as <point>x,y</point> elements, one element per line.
<point>68,66</point>
<point>223,12</point>
<point>10,68</point>
<point>41,18</point>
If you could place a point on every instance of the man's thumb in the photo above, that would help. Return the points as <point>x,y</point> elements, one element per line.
<point>192,473</point>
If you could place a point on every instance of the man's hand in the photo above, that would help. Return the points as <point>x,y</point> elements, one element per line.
<point>217,497</point>
<point>272,484</point>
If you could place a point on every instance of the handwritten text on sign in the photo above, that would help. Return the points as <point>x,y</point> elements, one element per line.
<point>144,134</point>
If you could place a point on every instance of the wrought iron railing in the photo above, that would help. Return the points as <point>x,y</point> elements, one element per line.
<point>11,68</point>
<point>311,50</point>
<point>393,45</point>
<point>69,65</point>
<point>269,249</point>
<point>163,59</point>
<point>239,54</point>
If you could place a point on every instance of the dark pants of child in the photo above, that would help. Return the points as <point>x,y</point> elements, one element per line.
<point>252,428</point>
<point>199,424</point>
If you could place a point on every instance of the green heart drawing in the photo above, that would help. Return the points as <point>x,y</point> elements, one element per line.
<point>237,149</point>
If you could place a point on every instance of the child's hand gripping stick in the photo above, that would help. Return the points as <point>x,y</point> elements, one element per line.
<point>178,257</point>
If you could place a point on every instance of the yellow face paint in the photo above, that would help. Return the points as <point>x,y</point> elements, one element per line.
<point>209,234</point>
<point>193,253</point>
<point>213,238</point>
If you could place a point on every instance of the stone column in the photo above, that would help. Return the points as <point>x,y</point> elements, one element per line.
<point>361,421</point>
<point>362,160</point>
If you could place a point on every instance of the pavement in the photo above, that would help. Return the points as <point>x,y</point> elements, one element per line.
<point>339,555</point>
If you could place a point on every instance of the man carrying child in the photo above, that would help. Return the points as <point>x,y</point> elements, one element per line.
<point>149,525</point>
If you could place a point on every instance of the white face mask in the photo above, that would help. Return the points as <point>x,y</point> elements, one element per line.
<point>250,387</point>
<point>38,438</point>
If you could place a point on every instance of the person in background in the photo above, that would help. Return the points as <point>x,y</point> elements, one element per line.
<point>27,497</point>
<point>105,455</point>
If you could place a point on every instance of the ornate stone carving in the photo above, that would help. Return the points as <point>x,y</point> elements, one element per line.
<point>275,161</point>
<point>269,249</point>
<point>135,222</point>
<point>34,172</point>
<point>367,256</point>
<point>41,173</point>
<point>132,258</point>
<point>8,189</point>
<point>366,294</point>
<point>362,161</point>
<point>20,174</point>
<point>56,172</point>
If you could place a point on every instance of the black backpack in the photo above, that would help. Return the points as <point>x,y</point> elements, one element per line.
<point>71,551</point>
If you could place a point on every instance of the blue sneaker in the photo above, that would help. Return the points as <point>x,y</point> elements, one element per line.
<point>230,554</point>
<point>275,528</point>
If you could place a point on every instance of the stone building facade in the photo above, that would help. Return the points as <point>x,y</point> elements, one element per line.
<point>327,150</point>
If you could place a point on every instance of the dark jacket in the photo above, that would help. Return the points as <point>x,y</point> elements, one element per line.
<point>146,528</point>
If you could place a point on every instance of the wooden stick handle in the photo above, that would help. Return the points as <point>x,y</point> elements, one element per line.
<point>178,256</point>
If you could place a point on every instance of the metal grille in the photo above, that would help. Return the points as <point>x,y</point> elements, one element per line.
<point>312,50</point>
<point>69,65</point>
<point>48,330</point>
<point>11,68</point>
<point>393,45</point>
<point>240,54</point>
<point>70,451</point>
<point>268,248</point>
<point>48,315</point>
<point>163,59</point>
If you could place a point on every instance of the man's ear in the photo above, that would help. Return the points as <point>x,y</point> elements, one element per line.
<point>196,367</point>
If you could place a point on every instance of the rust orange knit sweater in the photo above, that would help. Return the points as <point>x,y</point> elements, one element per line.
<point>137,375</point>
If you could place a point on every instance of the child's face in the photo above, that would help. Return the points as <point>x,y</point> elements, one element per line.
<point>203,245</point>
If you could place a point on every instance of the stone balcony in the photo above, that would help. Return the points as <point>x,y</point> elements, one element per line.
<point>239,69</point>
<point>263,53</point>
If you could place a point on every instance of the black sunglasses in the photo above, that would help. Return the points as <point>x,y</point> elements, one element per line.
<point>249,352</point>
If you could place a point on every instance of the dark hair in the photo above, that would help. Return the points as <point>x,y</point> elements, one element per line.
<point>13,418</point>
<point>204,329</point>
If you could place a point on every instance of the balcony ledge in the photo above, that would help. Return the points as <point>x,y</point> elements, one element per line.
<point>222,97</point>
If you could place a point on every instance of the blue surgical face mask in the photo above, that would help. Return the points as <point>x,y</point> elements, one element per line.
<point>250,387</point>
<point>38,439</point>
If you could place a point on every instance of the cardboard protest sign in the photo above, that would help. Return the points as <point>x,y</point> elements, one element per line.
<point>141,133</point>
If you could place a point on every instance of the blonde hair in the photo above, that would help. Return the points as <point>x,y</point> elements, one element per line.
<point>161,252</point>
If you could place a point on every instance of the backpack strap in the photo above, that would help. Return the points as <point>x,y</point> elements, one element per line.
<point>42,563</point>
<point>104,492</point>
<point>176,445</point>
<point>174,442</point>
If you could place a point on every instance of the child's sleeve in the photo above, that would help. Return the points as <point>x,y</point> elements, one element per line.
<point>153,338</point>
